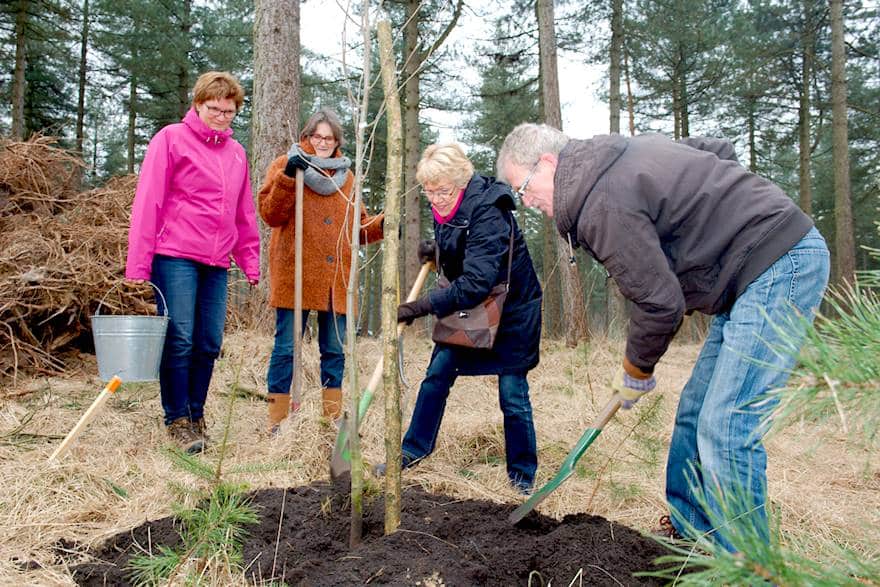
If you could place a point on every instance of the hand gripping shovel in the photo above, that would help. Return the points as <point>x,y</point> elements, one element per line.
<point>567,467</point>
<point>340,461</point>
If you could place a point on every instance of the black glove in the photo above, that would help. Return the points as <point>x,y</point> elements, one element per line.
<point>294,162</point>
<point>411,310</point>
<point>428,252</point>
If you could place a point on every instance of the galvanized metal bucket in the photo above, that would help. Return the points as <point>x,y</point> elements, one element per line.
<point>129,346</point>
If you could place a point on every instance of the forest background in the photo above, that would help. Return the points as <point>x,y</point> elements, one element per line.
<point>105,75</point>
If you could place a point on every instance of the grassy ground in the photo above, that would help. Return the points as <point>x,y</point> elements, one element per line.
<point>826,487</point>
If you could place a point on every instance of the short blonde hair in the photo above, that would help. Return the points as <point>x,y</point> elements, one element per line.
<point>217,85</point>
<point>444,163</point>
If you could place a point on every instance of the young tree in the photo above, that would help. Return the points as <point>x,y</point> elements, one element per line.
<point>390,281</point>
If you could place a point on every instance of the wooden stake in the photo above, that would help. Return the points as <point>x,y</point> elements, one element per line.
<point>96,406</point>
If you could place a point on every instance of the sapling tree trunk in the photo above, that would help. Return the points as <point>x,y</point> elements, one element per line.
<point>360,119</point>
<point>390,281</point>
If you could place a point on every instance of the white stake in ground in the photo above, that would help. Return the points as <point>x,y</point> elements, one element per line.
<point>96,406</point>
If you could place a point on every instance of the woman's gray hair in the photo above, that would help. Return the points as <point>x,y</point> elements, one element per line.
<point>442,163</point>
<point>526,143</point>
<point>332,120</point>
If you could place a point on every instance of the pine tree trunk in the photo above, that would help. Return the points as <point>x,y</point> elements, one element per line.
<point>805,188</point>
<point>18,78</point>
<point>412,143</point>
<point>83,71</point>
<point>390,271</point>
<point>132,121</point>
<point>615,326</point>
<point>750,126</point>
<point>183,67</point>
<point>843,219</point>
<point>572,289</point>
<point>276,96</point>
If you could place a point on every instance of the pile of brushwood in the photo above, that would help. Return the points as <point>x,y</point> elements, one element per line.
<point>62,249</point>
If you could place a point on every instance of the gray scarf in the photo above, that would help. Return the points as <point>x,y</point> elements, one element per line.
<point>315,179</point>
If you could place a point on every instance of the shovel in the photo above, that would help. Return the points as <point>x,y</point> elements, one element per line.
<point>340,460</point>
<point>567,467</point>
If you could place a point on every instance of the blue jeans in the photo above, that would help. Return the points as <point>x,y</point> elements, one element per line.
<point>513,395</point>
<point>717,427</point>
<point>331,335</point>
<point>196,297</point>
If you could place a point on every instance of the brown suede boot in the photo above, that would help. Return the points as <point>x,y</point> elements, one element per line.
<point>331,402</point>
<point>185,437</point>
<point>279,406</point>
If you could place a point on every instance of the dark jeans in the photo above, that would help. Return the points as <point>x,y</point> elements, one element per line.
<point>331,334</point>
<point>196,297</point>
<point>513,395</point>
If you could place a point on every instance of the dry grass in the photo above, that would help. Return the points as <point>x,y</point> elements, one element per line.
<point>116,478</point>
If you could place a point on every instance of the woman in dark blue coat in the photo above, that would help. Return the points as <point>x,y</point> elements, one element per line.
<point>473,217</point>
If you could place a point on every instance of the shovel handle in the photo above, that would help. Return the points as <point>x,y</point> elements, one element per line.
<point>108,390</point>
<point>340,457</point>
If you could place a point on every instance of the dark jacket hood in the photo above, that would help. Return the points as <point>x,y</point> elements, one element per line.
<point>581,164</point>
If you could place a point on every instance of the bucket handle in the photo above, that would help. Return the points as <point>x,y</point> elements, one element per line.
<point>156,287</point>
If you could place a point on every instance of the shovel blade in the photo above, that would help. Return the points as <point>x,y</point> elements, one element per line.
<point>340,460</point>
<point>564,473</point>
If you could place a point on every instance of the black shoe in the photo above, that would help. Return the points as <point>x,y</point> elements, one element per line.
<point>406,463</point>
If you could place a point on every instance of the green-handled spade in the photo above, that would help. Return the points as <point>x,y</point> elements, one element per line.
<point>567,467</point>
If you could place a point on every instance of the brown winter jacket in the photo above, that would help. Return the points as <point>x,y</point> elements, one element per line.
<point>326,239</point>
<point>680,227</point>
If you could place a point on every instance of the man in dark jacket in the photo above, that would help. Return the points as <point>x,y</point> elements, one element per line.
<point>682,227</point>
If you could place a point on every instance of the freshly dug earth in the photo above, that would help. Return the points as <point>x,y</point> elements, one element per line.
<point>441,541</point>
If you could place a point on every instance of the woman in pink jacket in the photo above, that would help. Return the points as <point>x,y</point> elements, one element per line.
<point>193,210</point>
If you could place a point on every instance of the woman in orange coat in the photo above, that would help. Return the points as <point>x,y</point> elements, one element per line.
<point>327,217</point>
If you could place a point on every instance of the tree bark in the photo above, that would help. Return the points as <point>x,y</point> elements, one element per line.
<point>276,98</point>
<point>390,271</point>
<point>83,71</point>
<point>360,123</point>
<point>411,142</point>
<point>843,218</point>
<point>132,121</point>
<point>414,59</point>
<point>18,78</point>
<point>615,326</point>
<point>572,289</point>
<point>183,67</point>
<point>805,187</point>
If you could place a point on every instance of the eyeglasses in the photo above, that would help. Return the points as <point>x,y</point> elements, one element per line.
<point>441,193</point>
<point>322,139</point>
<point>220,112</point>
<point>521,192</point>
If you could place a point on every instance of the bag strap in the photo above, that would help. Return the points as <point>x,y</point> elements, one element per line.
<point>510,252</point>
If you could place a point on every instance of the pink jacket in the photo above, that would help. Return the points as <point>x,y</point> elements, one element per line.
<point>193,201</point>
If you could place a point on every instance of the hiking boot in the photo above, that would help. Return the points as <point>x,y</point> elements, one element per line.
<point>665,529</point>
<point>202,430</point>
<point>185,436</point>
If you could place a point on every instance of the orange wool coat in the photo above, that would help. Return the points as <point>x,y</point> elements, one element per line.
<point>326,239</point>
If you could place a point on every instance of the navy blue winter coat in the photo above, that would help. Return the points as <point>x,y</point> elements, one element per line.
<point>473,257</point>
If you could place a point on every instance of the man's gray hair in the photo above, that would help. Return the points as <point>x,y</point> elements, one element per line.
<point>526,143</point>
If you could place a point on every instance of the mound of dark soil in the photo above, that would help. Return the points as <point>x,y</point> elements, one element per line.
<point>441,541</point>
